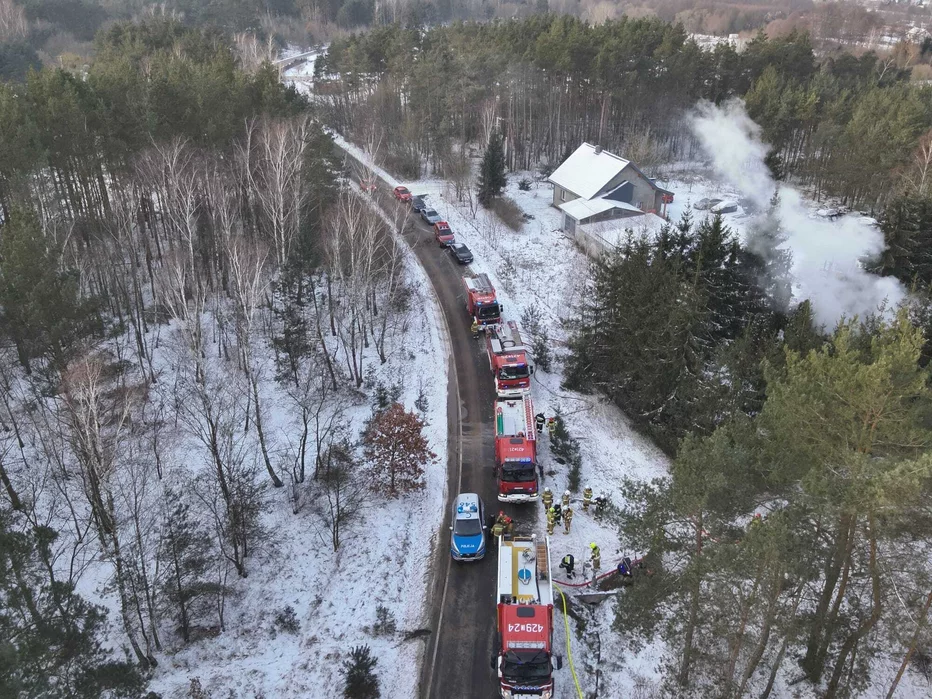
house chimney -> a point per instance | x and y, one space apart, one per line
598 149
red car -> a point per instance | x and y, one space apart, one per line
443 234
402 194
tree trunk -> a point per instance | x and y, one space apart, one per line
811 662
276 481
852 641
683 677
15 502
920 625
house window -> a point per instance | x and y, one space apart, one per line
562 195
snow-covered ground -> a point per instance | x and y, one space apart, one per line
381 560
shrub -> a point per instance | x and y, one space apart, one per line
385 624
524 184
509 212
286 620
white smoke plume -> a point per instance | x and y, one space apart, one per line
826 254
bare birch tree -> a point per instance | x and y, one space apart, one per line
272 155
95 414
250 285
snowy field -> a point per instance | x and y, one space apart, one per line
334 595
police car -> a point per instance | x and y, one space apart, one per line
468 541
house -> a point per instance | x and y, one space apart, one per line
593 185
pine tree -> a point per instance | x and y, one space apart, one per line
907 231
359 674
492 171
41 308
847 431
187 585
50 637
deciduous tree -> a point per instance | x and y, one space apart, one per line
397 450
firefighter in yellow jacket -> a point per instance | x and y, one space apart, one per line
596 558
551 521
567 518
547 498
586 498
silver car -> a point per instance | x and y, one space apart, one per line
430 216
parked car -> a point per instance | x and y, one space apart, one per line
705 204
462 254
402 193
725 207
443 233
368 185
417 204
468 540
430 216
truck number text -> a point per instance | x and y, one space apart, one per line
525 628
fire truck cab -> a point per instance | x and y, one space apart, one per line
508 360
481 302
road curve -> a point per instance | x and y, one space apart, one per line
462 599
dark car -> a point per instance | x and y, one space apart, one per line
462 254
430 216
417 204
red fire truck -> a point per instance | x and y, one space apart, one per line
480 300
508 361
516 449
524 656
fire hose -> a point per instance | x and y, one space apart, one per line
569 652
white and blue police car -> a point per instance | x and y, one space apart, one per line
468 541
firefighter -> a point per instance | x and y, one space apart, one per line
586 498
568 563
547 498
557 513
498 528
539 420
567 518
566 499
596 558
600 502
509 525
474 327
551 522
551 426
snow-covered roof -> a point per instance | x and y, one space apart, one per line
582 208
612 234
586 171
